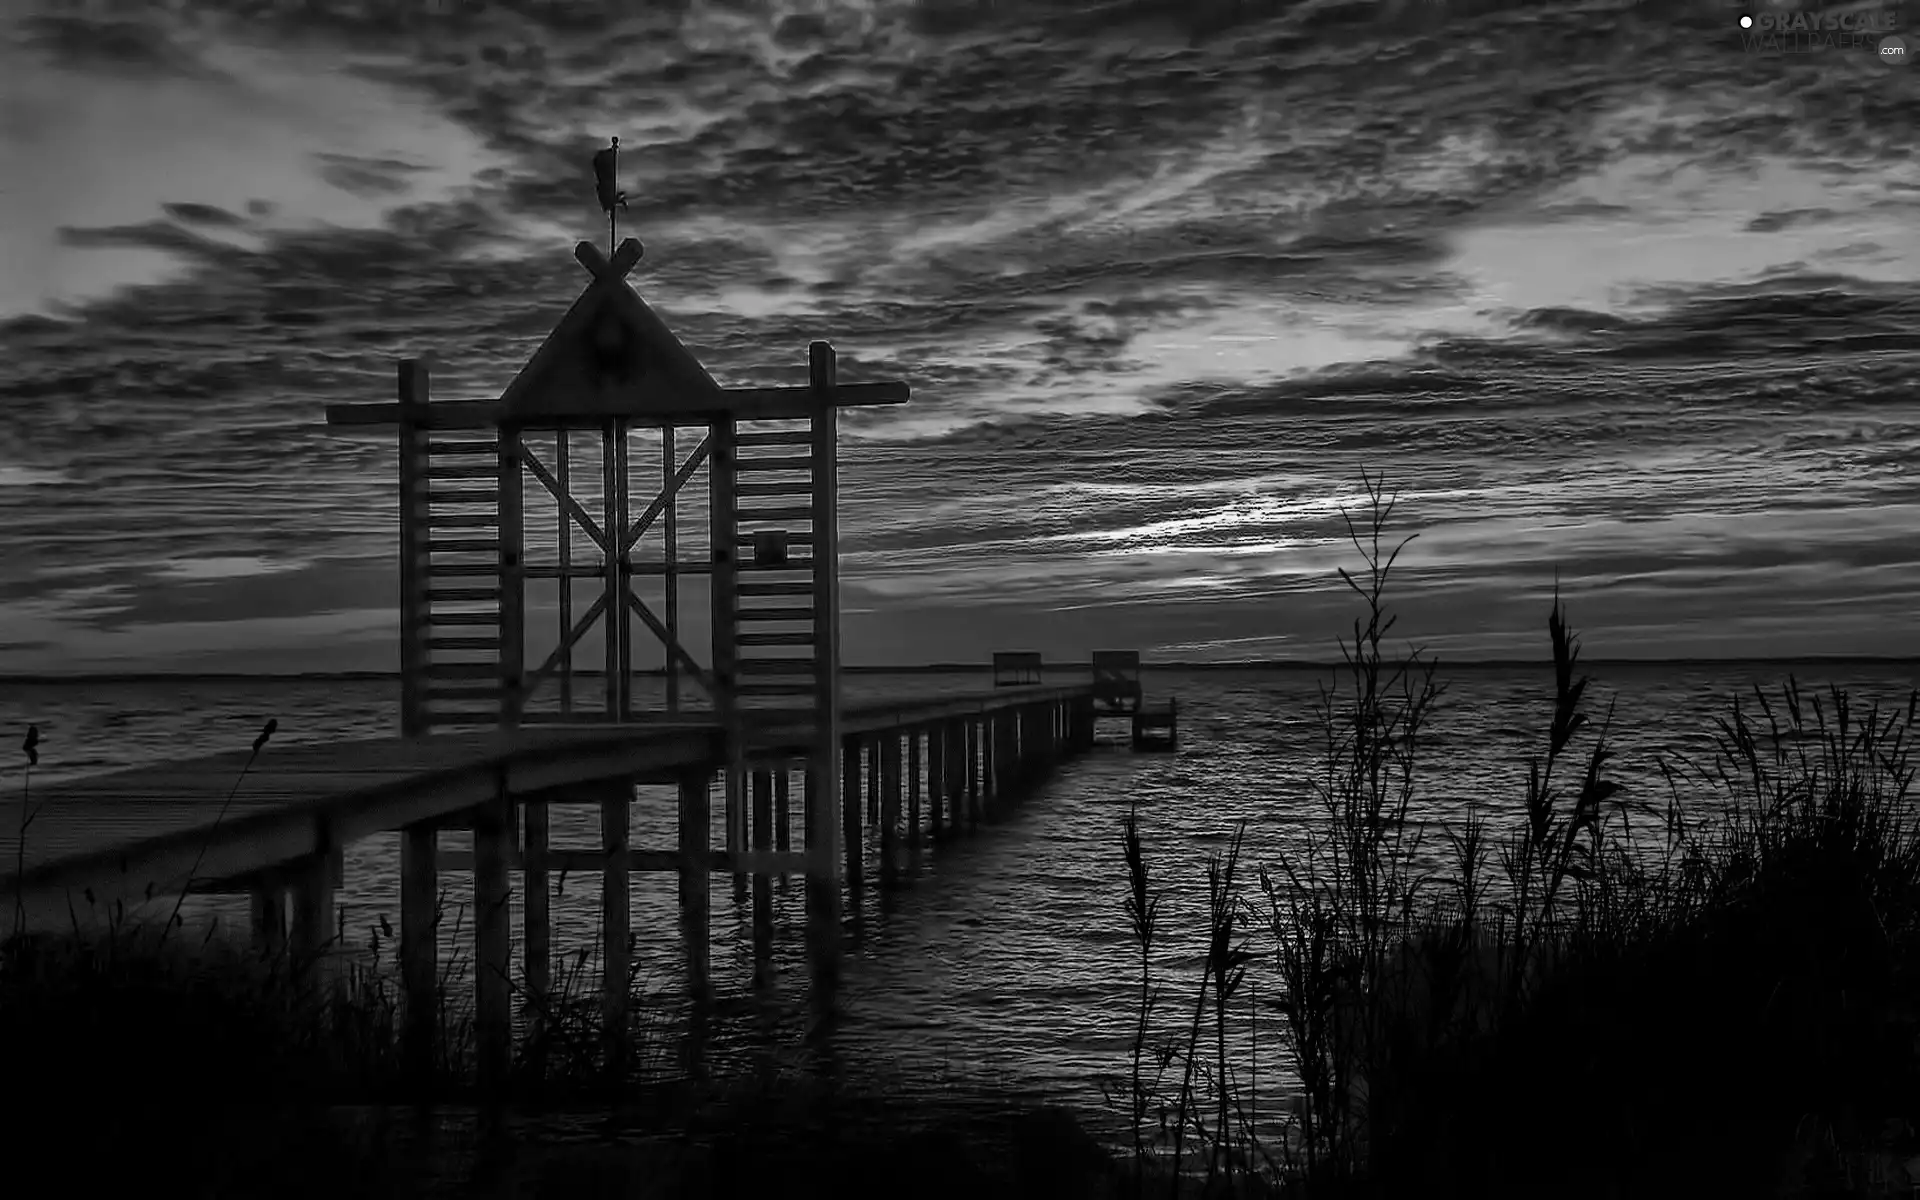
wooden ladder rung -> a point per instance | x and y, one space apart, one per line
463 618
455 594
465 470
784 463
798 587
774 687
463 448
774 437
799 637
795 537
792 564
462 717
454 690
463 643
463 546
774 614
479 520
447 570
796 512
458 671
784 487
462 495
775 666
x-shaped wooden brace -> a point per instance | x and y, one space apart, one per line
604 270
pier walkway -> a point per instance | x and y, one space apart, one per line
507 528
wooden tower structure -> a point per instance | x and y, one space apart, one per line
525 510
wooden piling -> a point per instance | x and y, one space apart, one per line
615 918
762 882
975 750
419 945
850 812
696 883
536 909
493 940
913 791
936 778
873 780
268 893
782 819
889 750
311 935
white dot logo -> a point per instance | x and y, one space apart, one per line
1746 22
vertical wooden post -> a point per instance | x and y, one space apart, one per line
414 387
562 477
913 791
873 779
312 933
419 946
621 614
823 883
782 819
268 894
513 598
762 883
809 803
889 745
613 583
936 778
616 914
850 813
536 902
722 478
975 750
696 878
492 936
670 579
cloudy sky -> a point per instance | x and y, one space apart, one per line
1599 291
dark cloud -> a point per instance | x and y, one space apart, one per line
202 214
374 177
111 43
150 235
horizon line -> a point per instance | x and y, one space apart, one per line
1078 665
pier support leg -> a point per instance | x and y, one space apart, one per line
975 751
782 818
936 779
269 904
616 910
913 792
419 946
536 914
888 746
823 884
312 934
736 784
696 880
762 882
850 812
492 942
873 780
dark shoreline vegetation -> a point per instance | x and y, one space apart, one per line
1711 993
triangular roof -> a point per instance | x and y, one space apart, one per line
610 355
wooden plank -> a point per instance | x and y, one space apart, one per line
463 643
463 545
773 687
461 471
463 594
463 618
486 447
774 588
447 570
795 537
462 495
784 487
778 463
776 437
797 637
789 613
756 516
479 520
775 666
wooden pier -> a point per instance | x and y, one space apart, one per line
497 501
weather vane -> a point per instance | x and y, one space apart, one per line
606 176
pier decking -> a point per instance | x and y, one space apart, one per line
770 711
